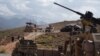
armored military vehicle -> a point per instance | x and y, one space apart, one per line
25 48
49 28
30 27
69 28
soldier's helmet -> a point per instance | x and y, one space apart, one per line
88 14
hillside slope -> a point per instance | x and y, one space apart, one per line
5 36
59 25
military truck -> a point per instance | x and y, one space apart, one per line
70 28
25 48
30 27
49 28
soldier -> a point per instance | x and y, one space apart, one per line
35 27
78 47
88 47
87 20
12 39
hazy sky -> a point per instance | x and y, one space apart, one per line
45 10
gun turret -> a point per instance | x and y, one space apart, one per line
69 9
94 20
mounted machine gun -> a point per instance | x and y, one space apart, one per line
87 19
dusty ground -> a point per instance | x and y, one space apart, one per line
47 41
8 48
51 40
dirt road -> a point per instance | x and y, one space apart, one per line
33 35
10 46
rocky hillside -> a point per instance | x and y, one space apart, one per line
59 25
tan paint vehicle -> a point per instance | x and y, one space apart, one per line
25 48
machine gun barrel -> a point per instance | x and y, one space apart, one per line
69 9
